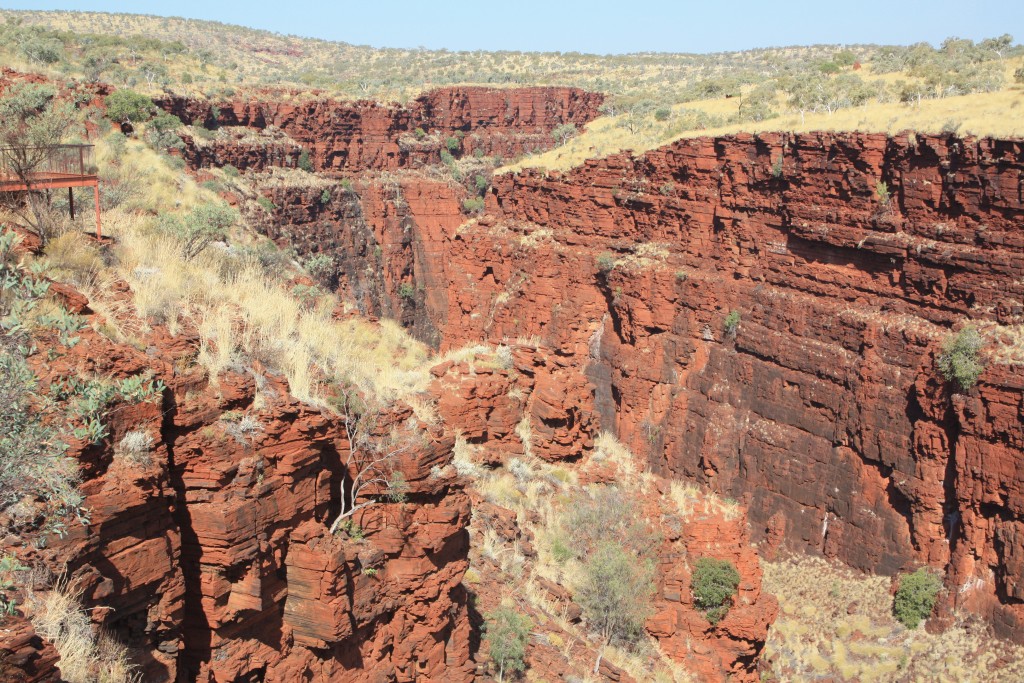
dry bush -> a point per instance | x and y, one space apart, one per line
135 448
85 655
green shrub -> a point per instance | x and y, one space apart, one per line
882 192
915 597
199 228
605 262
662 113
231 172
960 360
473 205
128 104
447 159
714 583
452 144
162 132
321 268
615 594
407 291
305 163
508 633
266 203
419 133
731 323
482 183
325 197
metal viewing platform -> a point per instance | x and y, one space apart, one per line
30 169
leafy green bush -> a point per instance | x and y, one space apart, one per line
407 291
128 104
960 360
473 205
321 268
714 583
616 592
305 163
325 197
731 323
162 132
508 633
662 113
266 203
915 597
452 144
199 228
419 133
605 262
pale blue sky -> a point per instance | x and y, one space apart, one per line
596 26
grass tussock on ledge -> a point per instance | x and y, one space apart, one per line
836 623
240 311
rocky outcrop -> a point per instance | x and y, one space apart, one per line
848 258
210 556
523 398
351 137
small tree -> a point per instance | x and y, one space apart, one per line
371 475
915 597
305 163
162 132
563 133
130 105
714 584
960 360
508 633
615 594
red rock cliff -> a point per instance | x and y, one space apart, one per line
824 412
212 559
350 137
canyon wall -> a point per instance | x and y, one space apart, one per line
848 259
352 137
210 557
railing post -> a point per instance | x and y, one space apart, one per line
96 195
81 160
71 201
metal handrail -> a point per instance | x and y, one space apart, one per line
70 160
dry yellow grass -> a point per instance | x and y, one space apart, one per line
240 312
818 635
998 114
85 657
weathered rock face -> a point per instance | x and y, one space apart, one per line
507 400
211 558
847 256
349 137
825 405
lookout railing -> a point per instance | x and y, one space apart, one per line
53 162
53 167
